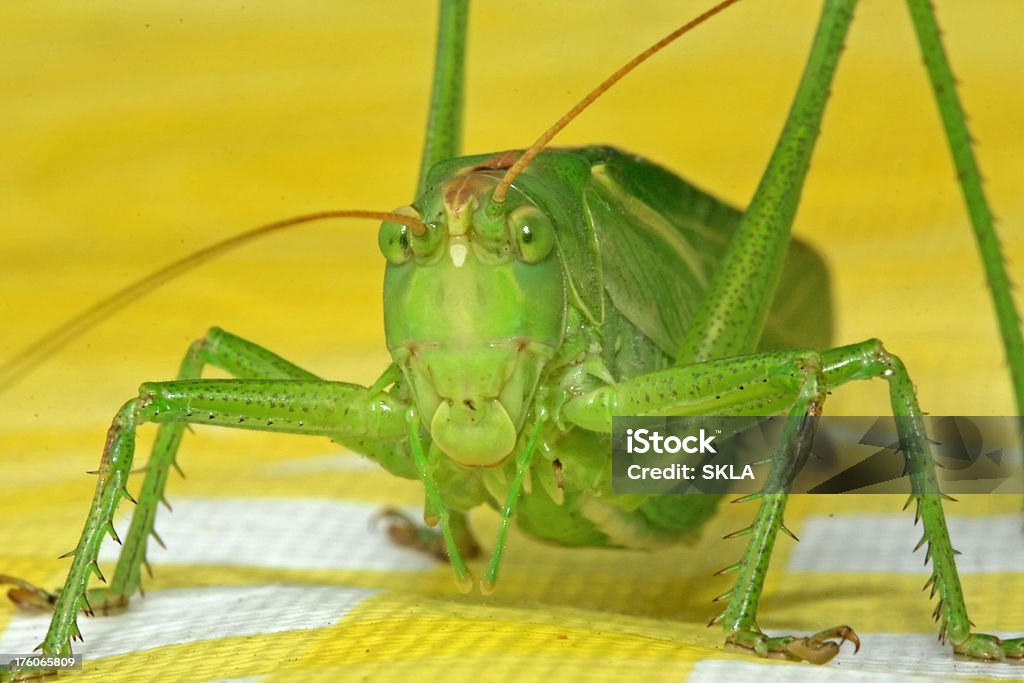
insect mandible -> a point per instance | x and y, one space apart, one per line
856 334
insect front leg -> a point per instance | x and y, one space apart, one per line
220 349
295 406
760 384
797 382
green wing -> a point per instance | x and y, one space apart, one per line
660 240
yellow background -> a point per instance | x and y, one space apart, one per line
133 133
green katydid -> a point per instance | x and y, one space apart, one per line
395 249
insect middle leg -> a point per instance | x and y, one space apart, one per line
281 398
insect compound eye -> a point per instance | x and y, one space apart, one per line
532 233
395 240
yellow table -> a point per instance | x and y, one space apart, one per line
134 133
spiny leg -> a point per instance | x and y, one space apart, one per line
444 124
870 360
968 174
731 315
739 619
245 360
769 383
761 384
219 349
732 312
223 350
300 406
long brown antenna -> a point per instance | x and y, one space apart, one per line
499 192
33 355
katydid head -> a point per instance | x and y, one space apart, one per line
474 308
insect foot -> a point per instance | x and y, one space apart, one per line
817 649
26 675
990 648
29 598
405 532
26 597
